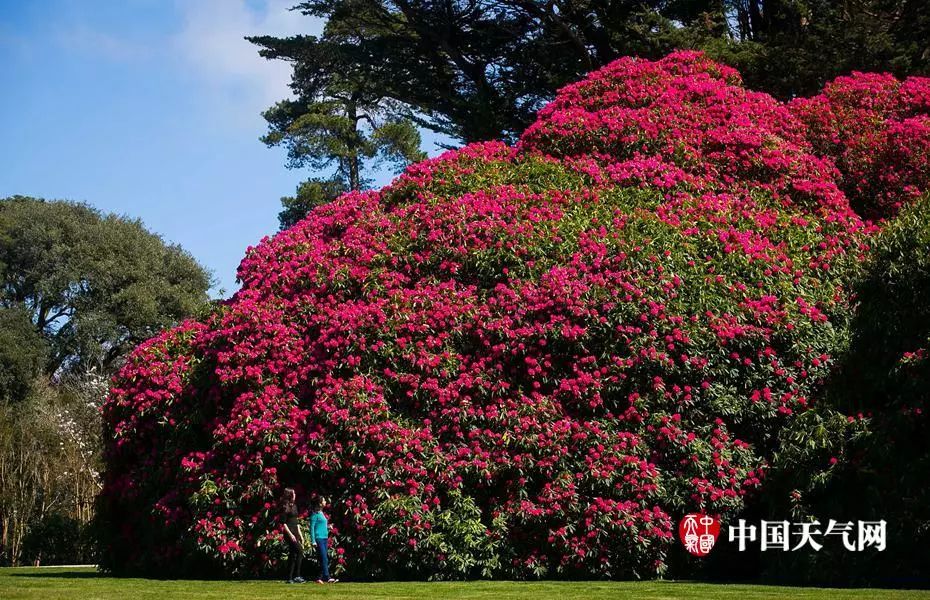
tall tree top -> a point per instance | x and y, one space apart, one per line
93 285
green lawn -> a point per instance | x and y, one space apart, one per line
50 583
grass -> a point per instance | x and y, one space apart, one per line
86 583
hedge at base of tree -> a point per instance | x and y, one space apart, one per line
58 539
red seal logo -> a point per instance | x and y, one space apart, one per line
698 532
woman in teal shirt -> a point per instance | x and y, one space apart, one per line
319 533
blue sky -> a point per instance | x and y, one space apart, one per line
150 108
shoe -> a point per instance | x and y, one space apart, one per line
300 580
289 581
320 581
331 580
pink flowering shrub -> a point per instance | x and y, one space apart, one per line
877 130
511 362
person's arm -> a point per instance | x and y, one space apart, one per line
300 535
290 534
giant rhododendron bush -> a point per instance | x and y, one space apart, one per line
513 361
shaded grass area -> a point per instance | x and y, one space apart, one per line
86 583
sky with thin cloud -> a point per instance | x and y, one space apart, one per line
151 109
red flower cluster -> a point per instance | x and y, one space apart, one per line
877 130
510 362
685 120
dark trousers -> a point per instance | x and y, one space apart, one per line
324 557
295 557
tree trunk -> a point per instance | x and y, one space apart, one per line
354 168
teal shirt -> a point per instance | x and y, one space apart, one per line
319 530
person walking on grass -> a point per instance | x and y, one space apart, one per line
292 535
319 533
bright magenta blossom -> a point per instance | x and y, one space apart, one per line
514 362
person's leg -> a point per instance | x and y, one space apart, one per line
300 558
292 558
324 558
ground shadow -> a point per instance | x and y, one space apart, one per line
62 574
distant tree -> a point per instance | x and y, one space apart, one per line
310 193
28 453
792 47
48 471
92 285
22 354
